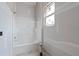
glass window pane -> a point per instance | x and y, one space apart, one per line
50 21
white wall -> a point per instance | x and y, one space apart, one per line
25 41
63 38
6 27
39 18
24 23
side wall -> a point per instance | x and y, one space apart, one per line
25 42
63 38
6 27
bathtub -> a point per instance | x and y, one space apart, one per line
26 49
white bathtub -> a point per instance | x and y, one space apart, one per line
26 49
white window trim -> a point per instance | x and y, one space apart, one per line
47 6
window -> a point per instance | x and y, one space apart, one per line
50 15
50 20
50 9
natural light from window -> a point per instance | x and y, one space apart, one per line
50 16
50 21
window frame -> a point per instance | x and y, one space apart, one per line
53 13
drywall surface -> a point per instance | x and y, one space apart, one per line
25 20
63 38
12 6
39 21
25 30
5 27
39 18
